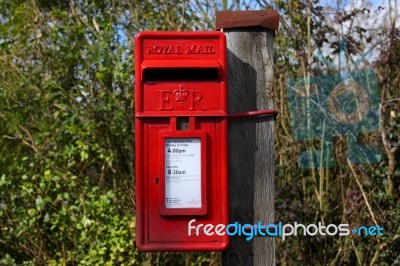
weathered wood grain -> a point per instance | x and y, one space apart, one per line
251 142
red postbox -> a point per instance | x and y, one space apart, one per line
181 141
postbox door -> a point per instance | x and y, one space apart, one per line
161 227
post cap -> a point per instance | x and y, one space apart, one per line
239 19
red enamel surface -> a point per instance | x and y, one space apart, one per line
160 100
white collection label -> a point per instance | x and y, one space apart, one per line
182 173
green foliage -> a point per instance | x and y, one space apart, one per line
65 127
347 193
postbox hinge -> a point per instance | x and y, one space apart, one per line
254 114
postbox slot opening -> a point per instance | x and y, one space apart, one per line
180 74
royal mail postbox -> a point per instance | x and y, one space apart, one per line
181 141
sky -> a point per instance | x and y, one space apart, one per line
376 20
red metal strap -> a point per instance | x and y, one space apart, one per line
255 113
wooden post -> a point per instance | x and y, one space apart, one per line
251 139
